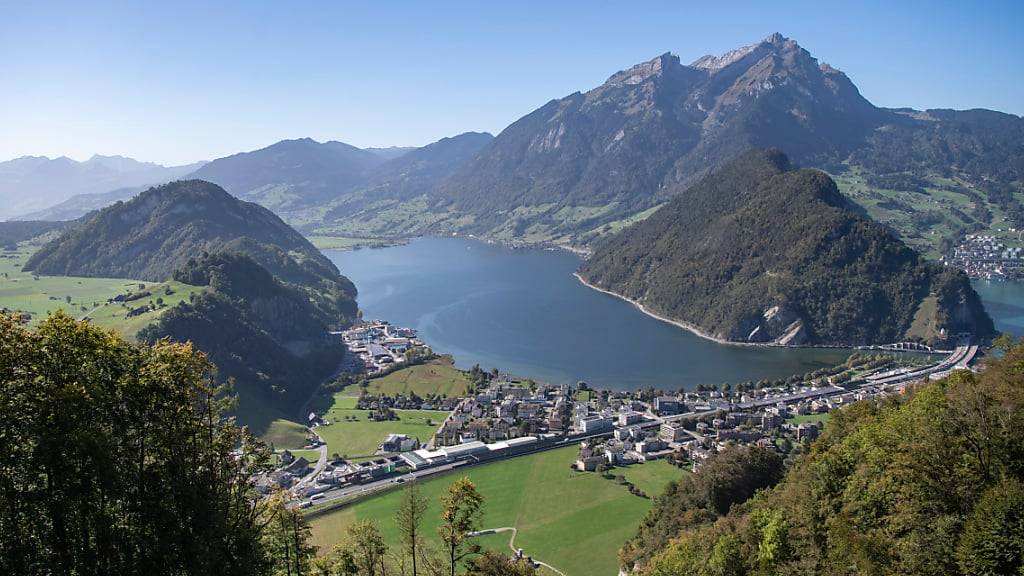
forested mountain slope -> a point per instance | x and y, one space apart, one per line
269 336
761 252
928 484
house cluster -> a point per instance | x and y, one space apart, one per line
339 473
983 256
503 411
378 347
290 471
695 425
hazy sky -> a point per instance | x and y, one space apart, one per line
174 82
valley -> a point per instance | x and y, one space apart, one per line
486 290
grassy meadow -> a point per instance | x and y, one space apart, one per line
352 434
41 295
802 418
575 521
437 376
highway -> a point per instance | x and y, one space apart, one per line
960 358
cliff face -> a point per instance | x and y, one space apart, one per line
761 252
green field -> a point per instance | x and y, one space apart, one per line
41 295
800 419
115 314
435 377
575 521
349 243
352 434
925 220
651 477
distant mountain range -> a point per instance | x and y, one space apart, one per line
761 252
596 159
588 164
32 183
311 182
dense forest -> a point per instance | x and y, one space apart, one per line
761 252
265 334
929 483
20 230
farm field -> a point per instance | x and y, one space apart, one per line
83 297
41 295
349 243
164 295
437 376
353 435
800 419
575 521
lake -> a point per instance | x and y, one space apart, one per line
523 312
1005 304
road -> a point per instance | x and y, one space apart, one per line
321 463
960 358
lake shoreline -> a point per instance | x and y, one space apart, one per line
696 331
677 323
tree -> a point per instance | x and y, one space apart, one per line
411 510
286 539
772 549
461 509
119 459
491 563
367 547
993 538
726 558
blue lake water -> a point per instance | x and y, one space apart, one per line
1005 303
522 311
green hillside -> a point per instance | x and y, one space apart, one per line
761 252
930 484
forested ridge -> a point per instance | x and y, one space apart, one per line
272 297
267 335
928 483
761 252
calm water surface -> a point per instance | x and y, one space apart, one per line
1005 304
522 311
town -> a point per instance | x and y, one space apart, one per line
506 417
377 347
982 256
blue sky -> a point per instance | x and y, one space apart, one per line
174 82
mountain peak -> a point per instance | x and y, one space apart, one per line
773 43
644 70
